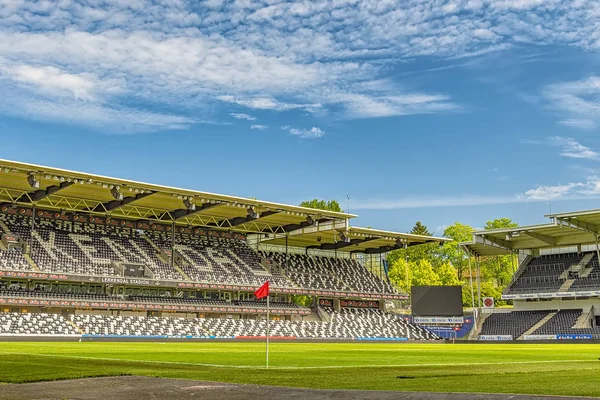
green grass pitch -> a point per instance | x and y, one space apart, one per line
556 369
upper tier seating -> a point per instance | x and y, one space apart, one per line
515 323
86 249
563 322
328 273
591 281
12 259
542 274
217 259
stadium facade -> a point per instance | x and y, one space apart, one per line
556 287
93 256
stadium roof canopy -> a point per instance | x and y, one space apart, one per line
567 229
58 189
330 236
588 221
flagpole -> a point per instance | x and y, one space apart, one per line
268 322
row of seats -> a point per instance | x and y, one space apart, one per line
346 324
516 323
41 294
327 273
563 322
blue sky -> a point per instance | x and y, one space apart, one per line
439 111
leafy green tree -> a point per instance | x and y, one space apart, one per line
400 274
302 300
447 275
500 223
331 205
428 251
451 251
423 274
500 268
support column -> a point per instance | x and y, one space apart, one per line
478 282
475 311
336 304
286 252
173 244
597 250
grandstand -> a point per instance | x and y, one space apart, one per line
89 255
556 287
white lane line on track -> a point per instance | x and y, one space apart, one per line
299 368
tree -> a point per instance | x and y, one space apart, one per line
420 229
428 251
331 205
448 276
400 274
499 268
450 250
500 223
424 274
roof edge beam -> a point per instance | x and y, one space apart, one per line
114 204
341 244
586 226
43 193
498 242
542 238
184 212
230 223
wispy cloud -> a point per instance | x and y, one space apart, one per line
243 116
577 101
589 189
571 148
258 127
579 123
312 133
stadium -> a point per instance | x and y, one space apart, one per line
105 277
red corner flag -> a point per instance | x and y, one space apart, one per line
263 291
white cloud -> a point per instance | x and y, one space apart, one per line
312 133
243 116
259 127
574 190
52 80
573 149
120 120
276 55
266 103
551 192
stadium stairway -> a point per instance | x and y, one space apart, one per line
566 285
538 325
584 320
74 325
32 263
580 268
477 328
161 256
5 228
